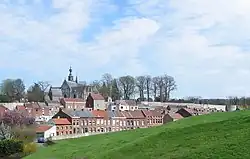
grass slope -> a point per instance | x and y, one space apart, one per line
218 135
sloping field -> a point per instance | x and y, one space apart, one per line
214 136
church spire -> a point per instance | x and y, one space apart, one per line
70 77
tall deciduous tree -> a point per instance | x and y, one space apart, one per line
35 93
127 85
148 86
116 93
12 123
14 89
108 79
141 85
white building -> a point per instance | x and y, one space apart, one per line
45 131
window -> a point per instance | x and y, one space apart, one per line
121 107
98 121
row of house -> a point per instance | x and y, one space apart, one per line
83 121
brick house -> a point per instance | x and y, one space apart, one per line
171 117
73 103
63 126
102 119
153 117
134 119
63 123
95 102
185 112
117 121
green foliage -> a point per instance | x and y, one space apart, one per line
9 147
14 89
4 98
29 148
219 135
35 93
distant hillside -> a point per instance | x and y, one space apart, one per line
215 136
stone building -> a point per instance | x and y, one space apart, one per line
70 88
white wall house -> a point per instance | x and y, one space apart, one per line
46 131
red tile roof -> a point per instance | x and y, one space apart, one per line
97 96
137 114
3 109
20 107
71 100
99 113
152 112
43 128
61 121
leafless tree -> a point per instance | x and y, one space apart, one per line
127 85
108 79
141 85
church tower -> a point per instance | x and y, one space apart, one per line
70 77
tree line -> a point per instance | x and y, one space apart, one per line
146 87
12 90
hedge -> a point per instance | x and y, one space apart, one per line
9 147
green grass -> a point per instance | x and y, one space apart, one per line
214 136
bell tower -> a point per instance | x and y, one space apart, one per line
70 77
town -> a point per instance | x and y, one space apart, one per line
76 109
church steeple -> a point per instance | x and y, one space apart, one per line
70 77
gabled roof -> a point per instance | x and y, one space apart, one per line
96 96
56 91
78 113
175 115
61 121
43 128
99 113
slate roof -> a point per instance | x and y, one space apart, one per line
56 91
79 113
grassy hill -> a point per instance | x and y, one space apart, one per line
215 136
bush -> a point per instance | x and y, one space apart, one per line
49 142
29 148
9 147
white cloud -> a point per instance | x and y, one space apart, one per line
199 41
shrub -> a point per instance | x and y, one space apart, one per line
8 147
29 148
49 142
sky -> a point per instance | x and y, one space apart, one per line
203 44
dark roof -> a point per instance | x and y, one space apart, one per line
96 96
79 113
56 91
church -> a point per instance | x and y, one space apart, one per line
70 88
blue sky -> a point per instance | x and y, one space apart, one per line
204 47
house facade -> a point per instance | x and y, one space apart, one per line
95 102
73 103
45 131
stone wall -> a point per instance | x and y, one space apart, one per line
61 137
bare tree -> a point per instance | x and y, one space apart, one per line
169 86
155 81
148 86
127 85
108 79
44 85
141 85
